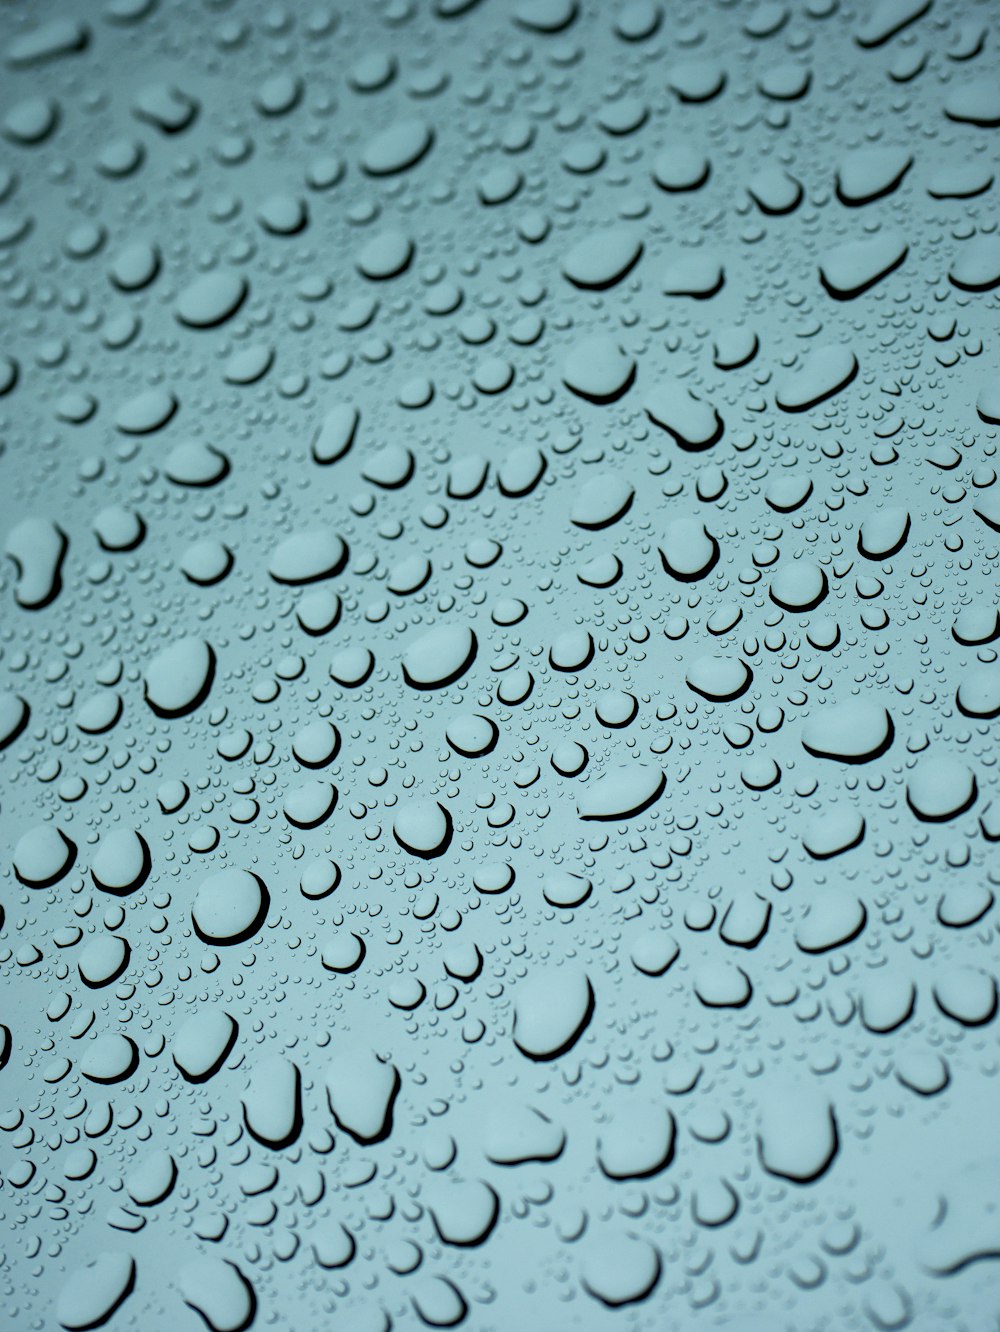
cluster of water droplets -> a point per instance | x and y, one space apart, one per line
499 699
